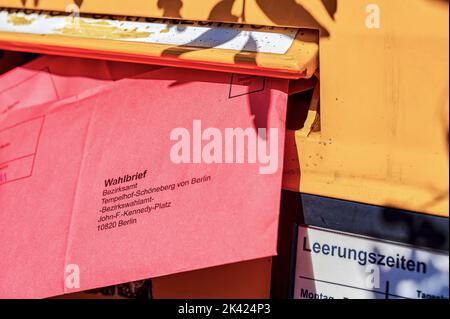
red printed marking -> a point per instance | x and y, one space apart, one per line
18 147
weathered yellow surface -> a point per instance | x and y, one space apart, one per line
301 60
17 20
384 92
263 12
102 30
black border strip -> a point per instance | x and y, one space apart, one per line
293 261
385 223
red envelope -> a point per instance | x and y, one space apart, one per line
51 78
92 191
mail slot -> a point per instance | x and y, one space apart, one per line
360 134
214 46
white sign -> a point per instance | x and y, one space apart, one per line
242 39
339 265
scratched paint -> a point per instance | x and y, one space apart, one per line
247 39
19 20
99 30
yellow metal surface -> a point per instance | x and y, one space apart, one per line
244 280
384 109
262 12
384 91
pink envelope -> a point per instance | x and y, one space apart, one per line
50 78
116 184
